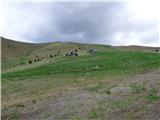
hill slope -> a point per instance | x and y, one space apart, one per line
13 52
111 83
16 53
100 81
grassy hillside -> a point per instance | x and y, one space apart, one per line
28 88
139 48
16 53
103 63
13 52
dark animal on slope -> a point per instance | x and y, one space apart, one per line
51 56
156 50
67 54
76 54
71 53
30 62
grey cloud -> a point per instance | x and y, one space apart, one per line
91 22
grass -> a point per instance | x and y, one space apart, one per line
153 97
137 89
78 70
96 74
152 93
42 81
93 115
105 63
100 88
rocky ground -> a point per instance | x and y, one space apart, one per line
131 98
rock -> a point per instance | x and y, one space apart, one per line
121 90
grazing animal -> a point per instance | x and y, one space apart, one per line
66 54
51 56
156 50
38 59
30 61
71 53
76 54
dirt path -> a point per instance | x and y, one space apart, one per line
123 100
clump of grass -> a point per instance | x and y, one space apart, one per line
92 88
137 89
153 97
121 105
99 88
93 115
14 116
153 90
153 94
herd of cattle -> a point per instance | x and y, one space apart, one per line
37 58
70 53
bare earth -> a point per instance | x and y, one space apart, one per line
125 101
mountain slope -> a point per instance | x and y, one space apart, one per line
13 52
16 53
19 53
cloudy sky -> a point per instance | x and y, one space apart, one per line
115 23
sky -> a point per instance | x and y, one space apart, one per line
114 23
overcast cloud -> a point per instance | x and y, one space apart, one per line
87 22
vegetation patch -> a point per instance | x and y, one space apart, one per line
93 114
137 89
153 97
